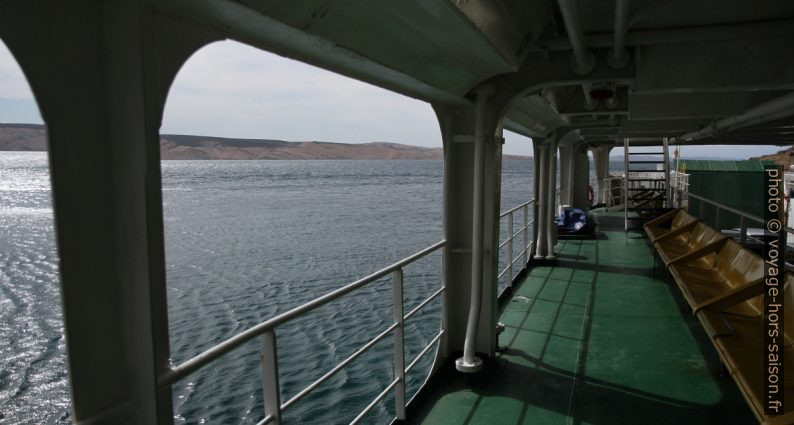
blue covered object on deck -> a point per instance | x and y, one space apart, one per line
574 221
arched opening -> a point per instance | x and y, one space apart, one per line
267 206
34 383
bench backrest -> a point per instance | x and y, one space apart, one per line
681 219
786 314
699 236
738 265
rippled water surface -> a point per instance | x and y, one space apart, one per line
245 240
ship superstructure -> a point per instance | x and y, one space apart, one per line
575 76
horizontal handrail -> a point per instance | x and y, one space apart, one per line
374 402
740 213
424 303
304 392
187 367
511 263
424 351
522 229
510 237
516 208
726 208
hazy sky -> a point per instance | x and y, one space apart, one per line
230 89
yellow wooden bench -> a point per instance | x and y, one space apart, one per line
724 284
720 278
737 332
671 221
688 242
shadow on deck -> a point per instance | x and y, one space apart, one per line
595 337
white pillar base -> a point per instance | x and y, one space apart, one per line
468 367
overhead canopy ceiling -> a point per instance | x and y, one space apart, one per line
689 64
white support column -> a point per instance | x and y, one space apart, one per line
574 171
541 167
535 210
472 180
625 192
580 177
601 163
566 174
470 362
552 207
564 155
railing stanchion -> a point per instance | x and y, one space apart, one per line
399 345
270 377
510 249
717 220
743 225
525 242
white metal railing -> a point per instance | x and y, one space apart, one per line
640 182
744 217
266 331
604 190
679 183
526 244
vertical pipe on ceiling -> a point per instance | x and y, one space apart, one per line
582 60
619 56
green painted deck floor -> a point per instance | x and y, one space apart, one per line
593 339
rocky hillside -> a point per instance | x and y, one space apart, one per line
30 137
23 137
784 157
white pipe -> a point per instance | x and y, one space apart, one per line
583 59
777 108
590 104
619 56
551 227
571 175
469 362
541 173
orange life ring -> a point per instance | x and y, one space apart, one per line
590 195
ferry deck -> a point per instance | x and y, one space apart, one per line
593 332
597 337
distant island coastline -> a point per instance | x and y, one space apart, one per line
784 157
33 137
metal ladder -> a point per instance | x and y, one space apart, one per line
635 185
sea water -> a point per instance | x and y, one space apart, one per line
246 240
